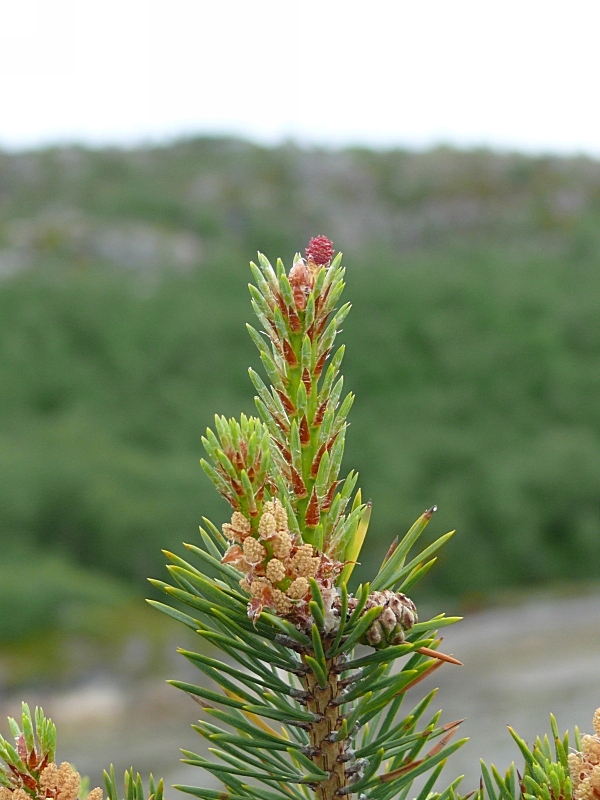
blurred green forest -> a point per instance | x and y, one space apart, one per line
473 348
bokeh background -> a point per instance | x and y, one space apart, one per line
147 154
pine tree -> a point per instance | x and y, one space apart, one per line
297 713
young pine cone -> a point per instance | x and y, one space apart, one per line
399 614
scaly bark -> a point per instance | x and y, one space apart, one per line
328 754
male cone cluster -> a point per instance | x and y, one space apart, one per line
276 564
32 773
585 765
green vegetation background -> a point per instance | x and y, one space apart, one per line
473 349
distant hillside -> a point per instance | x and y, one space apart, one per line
473 348
187 203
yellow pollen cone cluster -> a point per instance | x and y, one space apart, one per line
584 766
55 783
275 564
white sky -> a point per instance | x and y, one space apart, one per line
516 74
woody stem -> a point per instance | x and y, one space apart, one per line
328 754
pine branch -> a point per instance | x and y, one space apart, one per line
303 714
